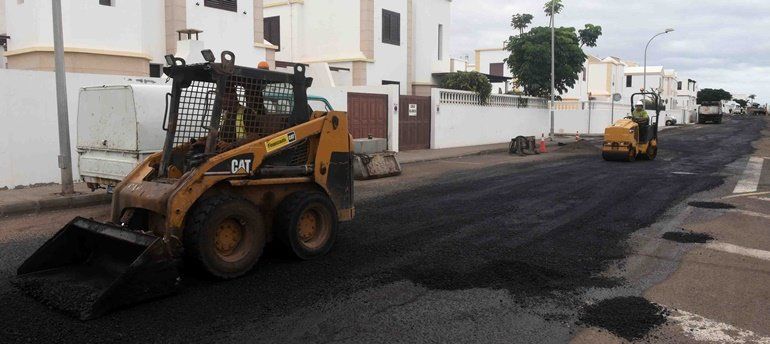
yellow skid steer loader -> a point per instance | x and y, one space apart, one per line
245 162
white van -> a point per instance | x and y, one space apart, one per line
117 128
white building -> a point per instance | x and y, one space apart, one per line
491 61
605 78
364 42
687 94
3 35
129 37
634 79
669 92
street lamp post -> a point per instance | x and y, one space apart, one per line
644 89
553 66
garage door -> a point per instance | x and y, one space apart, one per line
414 123
368 115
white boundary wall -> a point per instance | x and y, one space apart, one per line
29 142
338 98
459 120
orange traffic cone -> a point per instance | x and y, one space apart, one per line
543 149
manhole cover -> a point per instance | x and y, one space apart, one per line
711 205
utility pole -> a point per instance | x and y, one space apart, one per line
65 157
553 65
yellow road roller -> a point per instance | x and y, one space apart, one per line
633 137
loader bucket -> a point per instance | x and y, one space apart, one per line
89 268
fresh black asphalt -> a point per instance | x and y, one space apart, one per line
497 254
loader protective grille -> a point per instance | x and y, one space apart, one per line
195 107
250 109
253 109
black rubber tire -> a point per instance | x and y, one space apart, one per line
669 123
286 227
200 242
651 153
631 157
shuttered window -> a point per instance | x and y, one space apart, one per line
497 69
227 5
391 27
273 31
629 80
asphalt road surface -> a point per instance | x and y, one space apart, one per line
480 249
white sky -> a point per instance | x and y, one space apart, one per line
721 44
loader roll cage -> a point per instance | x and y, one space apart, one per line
651 134
216 106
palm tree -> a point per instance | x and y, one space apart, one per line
521 22
557 7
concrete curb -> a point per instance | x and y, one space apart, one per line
54 203
484 152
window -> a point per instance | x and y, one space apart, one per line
391 27
107 2
440 42
497 69
629 80
227 5
155 70
273 31
584 74
679 86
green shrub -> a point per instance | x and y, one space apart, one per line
469 81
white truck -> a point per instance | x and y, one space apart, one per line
710 112
118 127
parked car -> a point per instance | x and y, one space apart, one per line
739 111
670 120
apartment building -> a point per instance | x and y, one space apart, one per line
364 42
687 93
130 37
605 78
634 79
669 93
491 61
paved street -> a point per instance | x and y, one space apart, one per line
486 249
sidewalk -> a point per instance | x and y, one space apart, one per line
42 198
408 157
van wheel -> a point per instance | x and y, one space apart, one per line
225 237
306 223
669 123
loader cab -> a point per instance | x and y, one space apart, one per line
648 132
216 106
